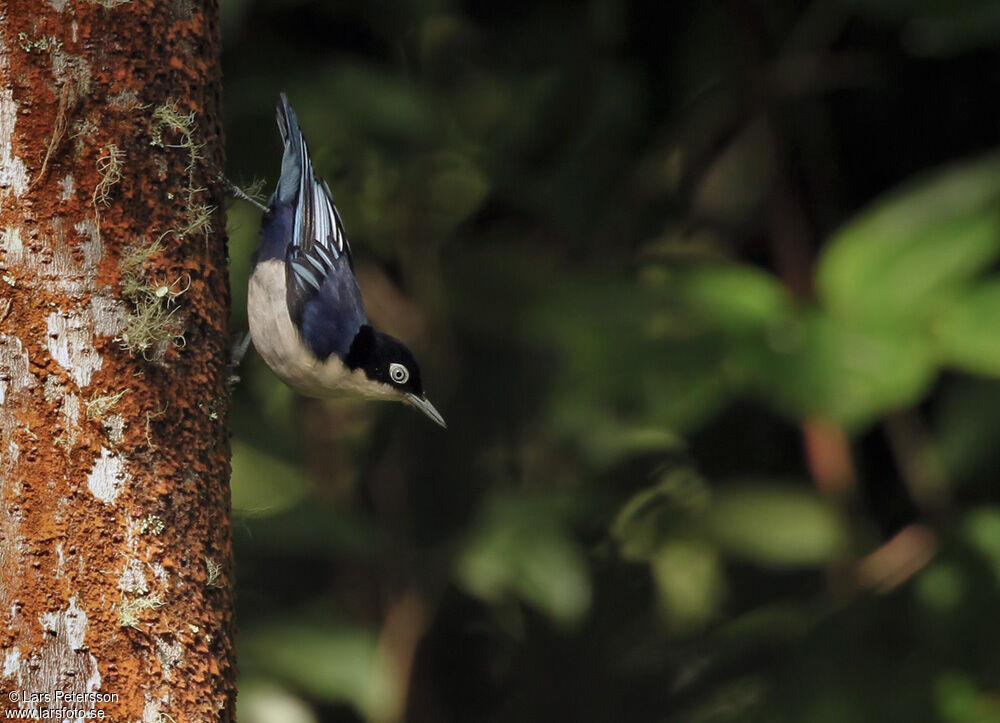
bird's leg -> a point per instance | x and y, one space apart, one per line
236 192
238 351
240 346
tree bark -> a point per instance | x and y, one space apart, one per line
114 529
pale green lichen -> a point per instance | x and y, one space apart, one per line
171 291
168 117
199 216
133 259
44 44
214 573
130 611
149 327
153 322
98 406
153 525
255 190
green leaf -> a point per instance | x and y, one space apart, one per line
690 583
656 512
956 696
966 330
334 664
522 550
733 297
777 526
785 621
941 587
612 443
623 347
818 365
960 699
891 263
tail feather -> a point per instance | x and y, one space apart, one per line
295 161
316 240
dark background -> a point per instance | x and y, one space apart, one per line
707 293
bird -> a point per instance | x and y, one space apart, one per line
304 306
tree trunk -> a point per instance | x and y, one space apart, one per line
114 529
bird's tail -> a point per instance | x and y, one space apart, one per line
296 158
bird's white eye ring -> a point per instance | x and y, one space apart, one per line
398 373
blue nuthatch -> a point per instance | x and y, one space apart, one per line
304 305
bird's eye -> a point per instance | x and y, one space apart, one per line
398 373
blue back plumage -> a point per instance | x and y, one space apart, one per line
275 232
303 228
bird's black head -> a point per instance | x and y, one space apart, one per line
384 359
390 370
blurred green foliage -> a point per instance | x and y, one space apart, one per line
708 295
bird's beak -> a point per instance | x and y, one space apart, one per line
427 408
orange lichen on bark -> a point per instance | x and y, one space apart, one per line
107 517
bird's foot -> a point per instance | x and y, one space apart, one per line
236 192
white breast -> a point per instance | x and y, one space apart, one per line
279 343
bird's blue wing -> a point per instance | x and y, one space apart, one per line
323 295
331 317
